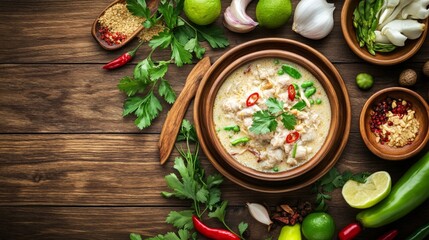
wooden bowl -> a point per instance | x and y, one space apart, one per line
400 54
274 183
153 5
384 151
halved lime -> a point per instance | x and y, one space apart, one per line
365 195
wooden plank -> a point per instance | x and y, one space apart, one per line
117 223
58 35
112 169
84 98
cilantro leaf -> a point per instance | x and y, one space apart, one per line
274 105
158 71
213 35
179 54
146 109
141 71
166 91
288 120
169 14
263 122
194 46
162 40
131 86
202 195
242 227
139 8
220 212
182 219
135 236
214 197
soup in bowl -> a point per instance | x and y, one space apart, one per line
272 115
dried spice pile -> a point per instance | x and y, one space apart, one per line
117 23
393 122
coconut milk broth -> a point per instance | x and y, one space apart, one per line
269 152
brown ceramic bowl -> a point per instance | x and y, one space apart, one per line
400 54
272 182
384 151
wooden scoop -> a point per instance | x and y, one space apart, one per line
153 6
177 112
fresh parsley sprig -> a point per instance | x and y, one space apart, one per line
183 40
332 180
191 183
265 121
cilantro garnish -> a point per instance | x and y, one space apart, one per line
182 39
265 121
191 183
332 180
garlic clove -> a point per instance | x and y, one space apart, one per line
236 19
259 213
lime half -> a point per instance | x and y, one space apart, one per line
365 195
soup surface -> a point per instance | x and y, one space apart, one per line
271 115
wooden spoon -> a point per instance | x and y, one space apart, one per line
153 6
177 112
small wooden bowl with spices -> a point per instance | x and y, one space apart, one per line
116 25
394 123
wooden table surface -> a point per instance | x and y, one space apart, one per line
72 167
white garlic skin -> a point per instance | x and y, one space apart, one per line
313 19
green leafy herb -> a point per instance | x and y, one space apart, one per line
332 180
265 121
191 183
183 41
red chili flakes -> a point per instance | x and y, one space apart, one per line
111 38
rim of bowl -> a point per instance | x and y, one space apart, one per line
389 153
379 58
316 72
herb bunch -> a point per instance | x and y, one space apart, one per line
332 180
183 40
192 184
265 121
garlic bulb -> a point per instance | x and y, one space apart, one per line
313 19
236 19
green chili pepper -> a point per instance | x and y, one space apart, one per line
309 91
290 232
234 128
240 140
299 105
291 71
384 47
410 191
295 146
420 234
307 84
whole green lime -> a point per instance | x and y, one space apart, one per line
273 13
318 226
202 12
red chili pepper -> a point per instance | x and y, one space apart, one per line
292 137
291 92
123 59
252 99
213 233
350 231
389 235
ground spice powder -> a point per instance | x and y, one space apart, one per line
118 19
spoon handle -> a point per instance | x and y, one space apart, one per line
177 112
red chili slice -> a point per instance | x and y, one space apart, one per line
291 92
252 99
292 137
